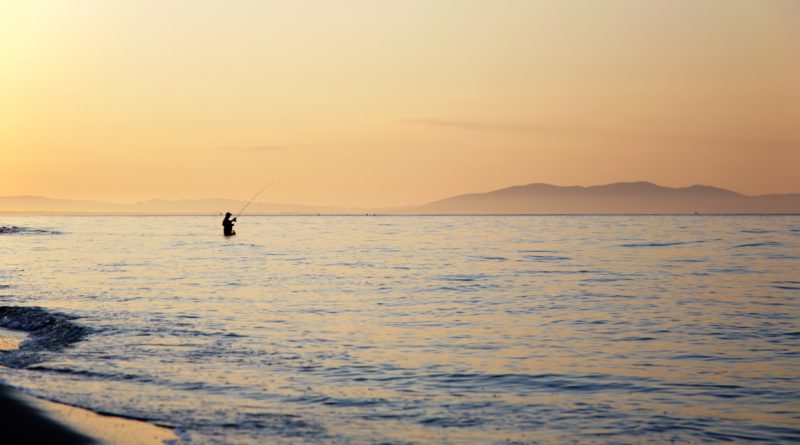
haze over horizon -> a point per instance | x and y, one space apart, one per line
262 200
364 104
530 199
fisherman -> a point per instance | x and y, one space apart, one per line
227 225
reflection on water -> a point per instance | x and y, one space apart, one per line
422 329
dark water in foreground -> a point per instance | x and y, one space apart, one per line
462 330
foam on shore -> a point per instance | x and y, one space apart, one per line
46 331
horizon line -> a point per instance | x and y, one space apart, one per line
352 207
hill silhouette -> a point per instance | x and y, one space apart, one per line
621 197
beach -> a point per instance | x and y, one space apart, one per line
28 420
23 424
397 223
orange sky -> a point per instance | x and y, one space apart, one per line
371 103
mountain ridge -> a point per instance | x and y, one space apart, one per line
618 197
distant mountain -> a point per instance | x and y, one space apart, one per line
621 197
41 205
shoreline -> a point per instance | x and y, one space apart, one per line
29 419
23 423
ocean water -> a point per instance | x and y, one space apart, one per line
411 329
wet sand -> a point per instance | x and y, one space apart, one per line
23 424
27 420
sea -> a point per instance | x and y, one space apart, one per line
629 329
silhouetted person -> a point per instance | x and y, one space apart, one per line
227 225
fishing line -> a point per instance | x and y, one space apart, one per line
254 197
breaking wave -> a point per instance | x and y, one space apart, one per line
48 331
15 229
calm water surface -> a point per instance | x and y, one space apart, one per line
460 330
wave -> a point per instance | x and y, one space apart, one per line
15 229
543 382
48 331
534 258
668 243
762 244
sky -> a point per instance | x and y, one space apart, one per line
367 103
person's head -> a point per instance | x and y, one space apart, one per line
228 215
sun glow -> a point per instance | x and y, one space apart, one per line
369 104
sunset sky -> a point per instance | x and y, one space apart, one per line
372 103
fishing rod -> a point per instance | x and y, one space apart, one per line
251 199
